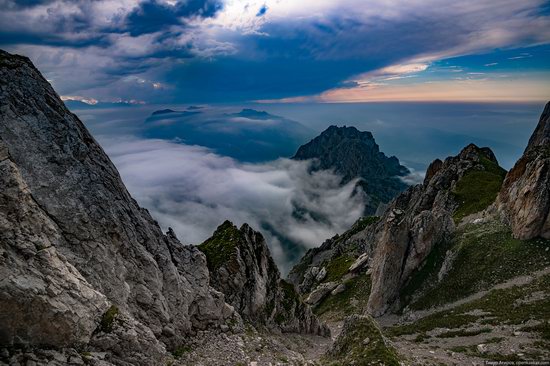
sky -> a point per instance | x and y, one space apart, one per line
284 51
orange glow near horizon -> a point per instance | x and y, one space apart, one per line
455 90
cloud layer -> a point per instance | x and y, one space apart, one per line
193 190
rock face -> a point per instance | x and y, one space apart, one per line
352 246
524 201
415 221
74 242
241 267
44 297
355 154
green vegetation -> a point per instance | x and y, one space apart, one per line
500 305
359 225
220 248
108 319
484 255
464 333
180 351
438 320
289 302
338 267
473 351
543 329
351 301
361 343
477 189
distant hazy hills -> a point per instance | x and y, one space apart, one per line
249 135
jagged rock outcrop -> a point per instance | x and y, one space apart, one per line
74 242
350 246
241 267
524 201
355 154
361 343
420 218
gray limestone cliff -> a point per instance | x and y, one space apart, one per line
524 201
242 268
74 244
425 215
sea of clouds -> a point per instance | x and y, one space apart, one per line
193 190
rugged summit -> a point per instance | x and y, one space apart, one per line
524 201
355 154
241 267
75 244
422 217
391 248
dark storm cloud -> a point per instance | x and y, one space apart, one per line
153 16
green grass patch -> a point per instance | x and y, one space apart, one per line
290 301
108 319
485 255
472 351
180 351
359 225
361 344
338 267
464 333
438 320
220 248
477 189
543 329
503 306
352 300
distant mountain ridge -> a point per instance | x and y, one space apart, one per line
248 135
355 154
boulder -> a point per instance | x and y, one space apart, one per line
321 292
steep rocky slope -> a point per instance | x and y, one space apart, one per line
392 247
455 284
355 154
422 217
242 268
524 201
75 243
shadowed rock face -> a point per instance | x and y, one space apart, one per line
415 221
74 241
354 154
43 297
524 201
242 269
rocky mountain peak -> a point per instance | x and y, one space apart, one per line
541 135
242 268
355 154
524 201
426 215
475 153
